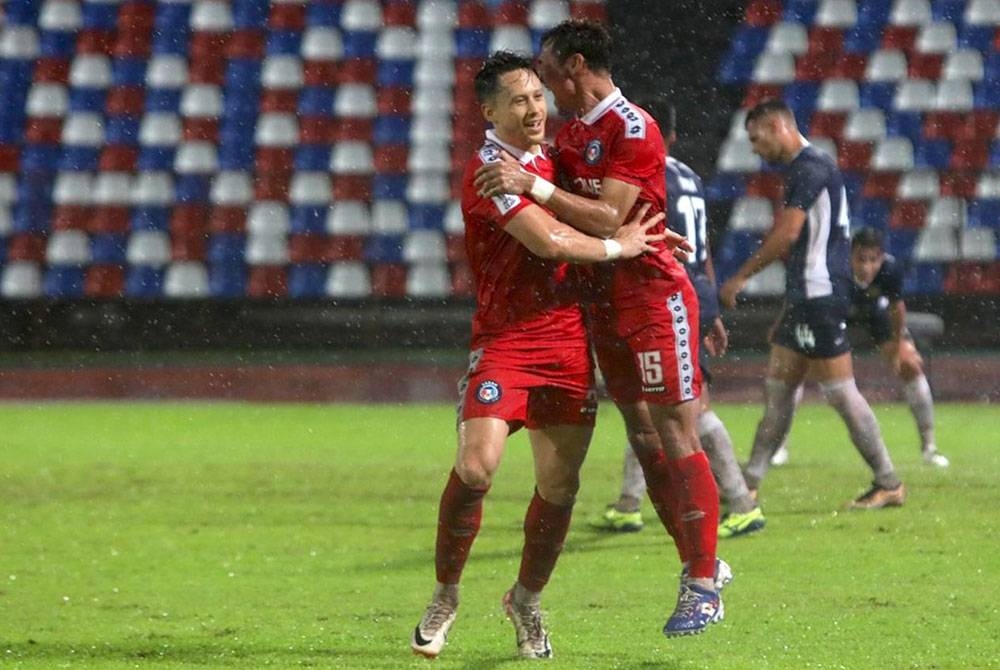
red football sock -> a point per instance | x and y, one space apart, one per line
459 516
545 528
659 488
698 511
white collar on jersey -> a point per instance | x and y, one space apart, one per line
603 106
523 157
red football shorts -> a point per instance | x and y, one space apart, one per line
551 386
647 349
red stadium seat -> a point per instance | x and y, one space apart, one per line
969 155
584 9
271 186
279 100
393 100
274 159
227 219
399 13
473 14
207 45
850 66
389 280
111 219
352 187
828 124
189 246
118 158
132 43
815 66
267 281
941 125
908 215
899 37
95 41
881 185
200 129
853 156
51 70
344 248
768 185
924 66
245 44
104 281
959 184
136 15
825 39
510 12
980 125
307 248
758 93
43 130
763 12
70 217
391 158
188 219
26 247
287 16
125 101
317 129
351 129
9 158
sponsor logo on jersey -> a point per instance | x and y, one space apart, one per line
506 202
635 124
590 186
488 392
594 152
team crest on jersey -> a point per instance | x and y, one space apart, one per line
488 392
594 152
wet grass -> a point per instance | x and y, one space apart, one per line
230 535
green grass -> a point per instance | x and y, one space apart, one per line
222 535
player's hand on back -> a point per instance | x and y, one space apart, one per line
717 339
635 237
503 176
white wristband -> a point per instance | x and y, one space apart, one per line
542 190
612 248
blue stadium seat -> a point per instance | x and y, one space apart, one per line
316 101
799 11
924 279
307 280
128 71
308 219
78 158
900 243
250 13
948 10
242 75
872 213
472 43
156 158
226 249
108 249
87 99
143 281
426 217
236 155
359 43
63 281
905 124
395 73
163 99
323 14
863 38
56 43
384 249
985 213
121 130
876 94
801 97
100 15
150 218
932 153
192 188
22 12
285 42
725 186
975 37
31 217
737 246
39 158
986 95
874 13
389 186
171 40
391 129
312 157
227 280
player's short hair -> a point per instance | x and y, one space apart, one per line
768 107
487 82
591 39
867 238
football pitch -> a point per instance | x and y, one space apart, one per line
288 536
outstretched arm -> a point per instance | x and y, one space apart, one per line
776 245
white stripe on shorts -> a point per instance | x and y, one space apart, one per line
682 345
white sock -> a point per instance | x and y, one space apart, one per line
845 397
918 395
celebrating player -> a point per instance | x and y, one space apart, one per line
529 364
686 216
643 312
813 233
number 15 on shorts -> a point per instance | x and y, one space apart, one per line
651 366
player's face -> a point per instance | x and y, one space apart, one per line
556 77
518 111
763 134
865 263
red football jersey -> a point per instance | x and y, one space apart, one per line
519 296
620 140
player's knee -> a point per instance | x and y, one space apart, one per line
561 492
475 473
644 440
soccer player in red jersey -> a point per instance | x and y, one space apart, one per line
529 364
643 312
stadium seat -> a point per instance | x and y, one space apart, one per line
186 279
836 14
349 279
978 244
946 213
768 282
936 245
865 125
148 248
737 156
893 154
936 37
787 38
774 68
428 280
838 95
753 214
982 13
268 218
919 185
886 65
915 95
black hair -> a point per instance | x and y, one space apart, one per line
579 36
767 107
487 82
867 238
